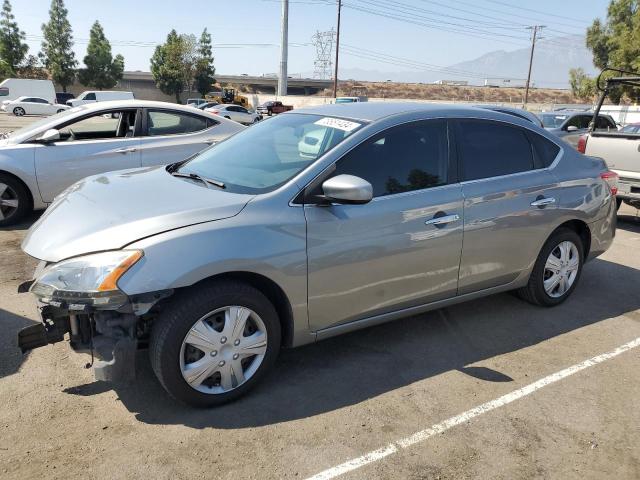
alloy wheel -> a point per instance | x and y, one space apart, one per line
223 349
561 269
8 201
18 111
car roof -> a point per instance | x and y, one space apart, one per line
374 111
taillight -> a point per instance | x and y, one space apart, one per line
582 144
612 180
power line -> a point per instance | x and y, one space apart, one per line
487 36
520 7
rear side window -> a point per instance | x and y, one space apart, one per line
401 159
173 123
491 149
604 123
545 150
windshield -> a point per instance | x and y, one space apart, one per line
552 120
633 128
265 156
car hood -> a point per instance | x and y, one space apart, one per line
110 211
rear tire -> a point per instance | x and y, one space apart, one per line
15 201
60 110
553 266
174 356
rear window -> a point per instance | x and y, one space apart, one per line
545 150
491 149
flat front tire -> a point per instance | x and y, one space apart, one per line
556 271
214 342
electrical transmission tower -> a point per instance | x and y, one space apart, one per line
323 41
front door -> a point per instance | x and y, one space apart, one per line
400 250
96 144
511 200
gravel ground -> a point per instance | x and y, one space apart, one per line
329 402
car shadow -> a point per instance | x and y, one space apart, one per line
350 369
629 220
10 356
26 222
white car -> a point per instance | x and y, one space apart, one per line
235 112
32 106
93 96
39 161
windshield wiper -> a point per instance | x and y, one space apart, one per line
195 176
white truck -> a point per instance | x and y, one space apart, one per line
621 150
93 96
14 88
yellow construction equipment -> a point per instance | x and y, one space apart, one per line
227 95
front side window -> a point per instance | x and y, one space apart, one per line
491 149
90 96
579 121
116 124
401 159
604 123
173 123
267 155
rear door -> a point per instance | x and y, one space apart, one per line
171 136
510 200
400 250
98 143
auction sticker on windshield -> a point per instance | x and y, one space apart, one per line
338 123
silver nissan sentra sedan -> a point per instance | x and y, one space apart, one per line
311 224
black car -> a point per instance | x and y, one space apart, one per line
62 97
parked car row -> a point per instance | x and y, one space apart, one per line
308 225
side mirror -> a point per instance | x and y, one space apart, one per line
347 189
51 135
572 128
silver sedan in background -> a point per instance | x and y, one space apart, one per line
41 160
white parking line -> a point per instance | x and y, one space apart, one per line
423 435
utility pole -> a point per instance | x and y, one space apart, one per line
335 75
535 29
284 44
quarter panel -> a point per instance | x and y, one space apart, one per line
18 160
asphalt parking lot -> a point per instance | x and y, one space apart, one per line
350 406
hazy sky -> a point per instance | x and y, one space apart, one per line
437 32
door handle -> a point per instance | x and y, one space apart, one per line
443 220
126 150
543 202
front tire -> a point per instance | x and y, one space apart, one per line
556 271
214 342
15 201
19 112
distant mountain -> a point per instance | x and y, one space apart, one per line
552 60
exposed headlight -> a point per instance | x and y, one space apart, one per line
87 280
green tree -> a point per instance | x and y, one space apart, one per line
204 71
173 64
13 50
582 86
102 70
32 68
616 43
57 46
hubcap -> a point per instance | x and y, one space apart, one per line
561 269
223 349
8 201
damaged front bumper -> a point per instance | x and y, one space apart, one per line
111 337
